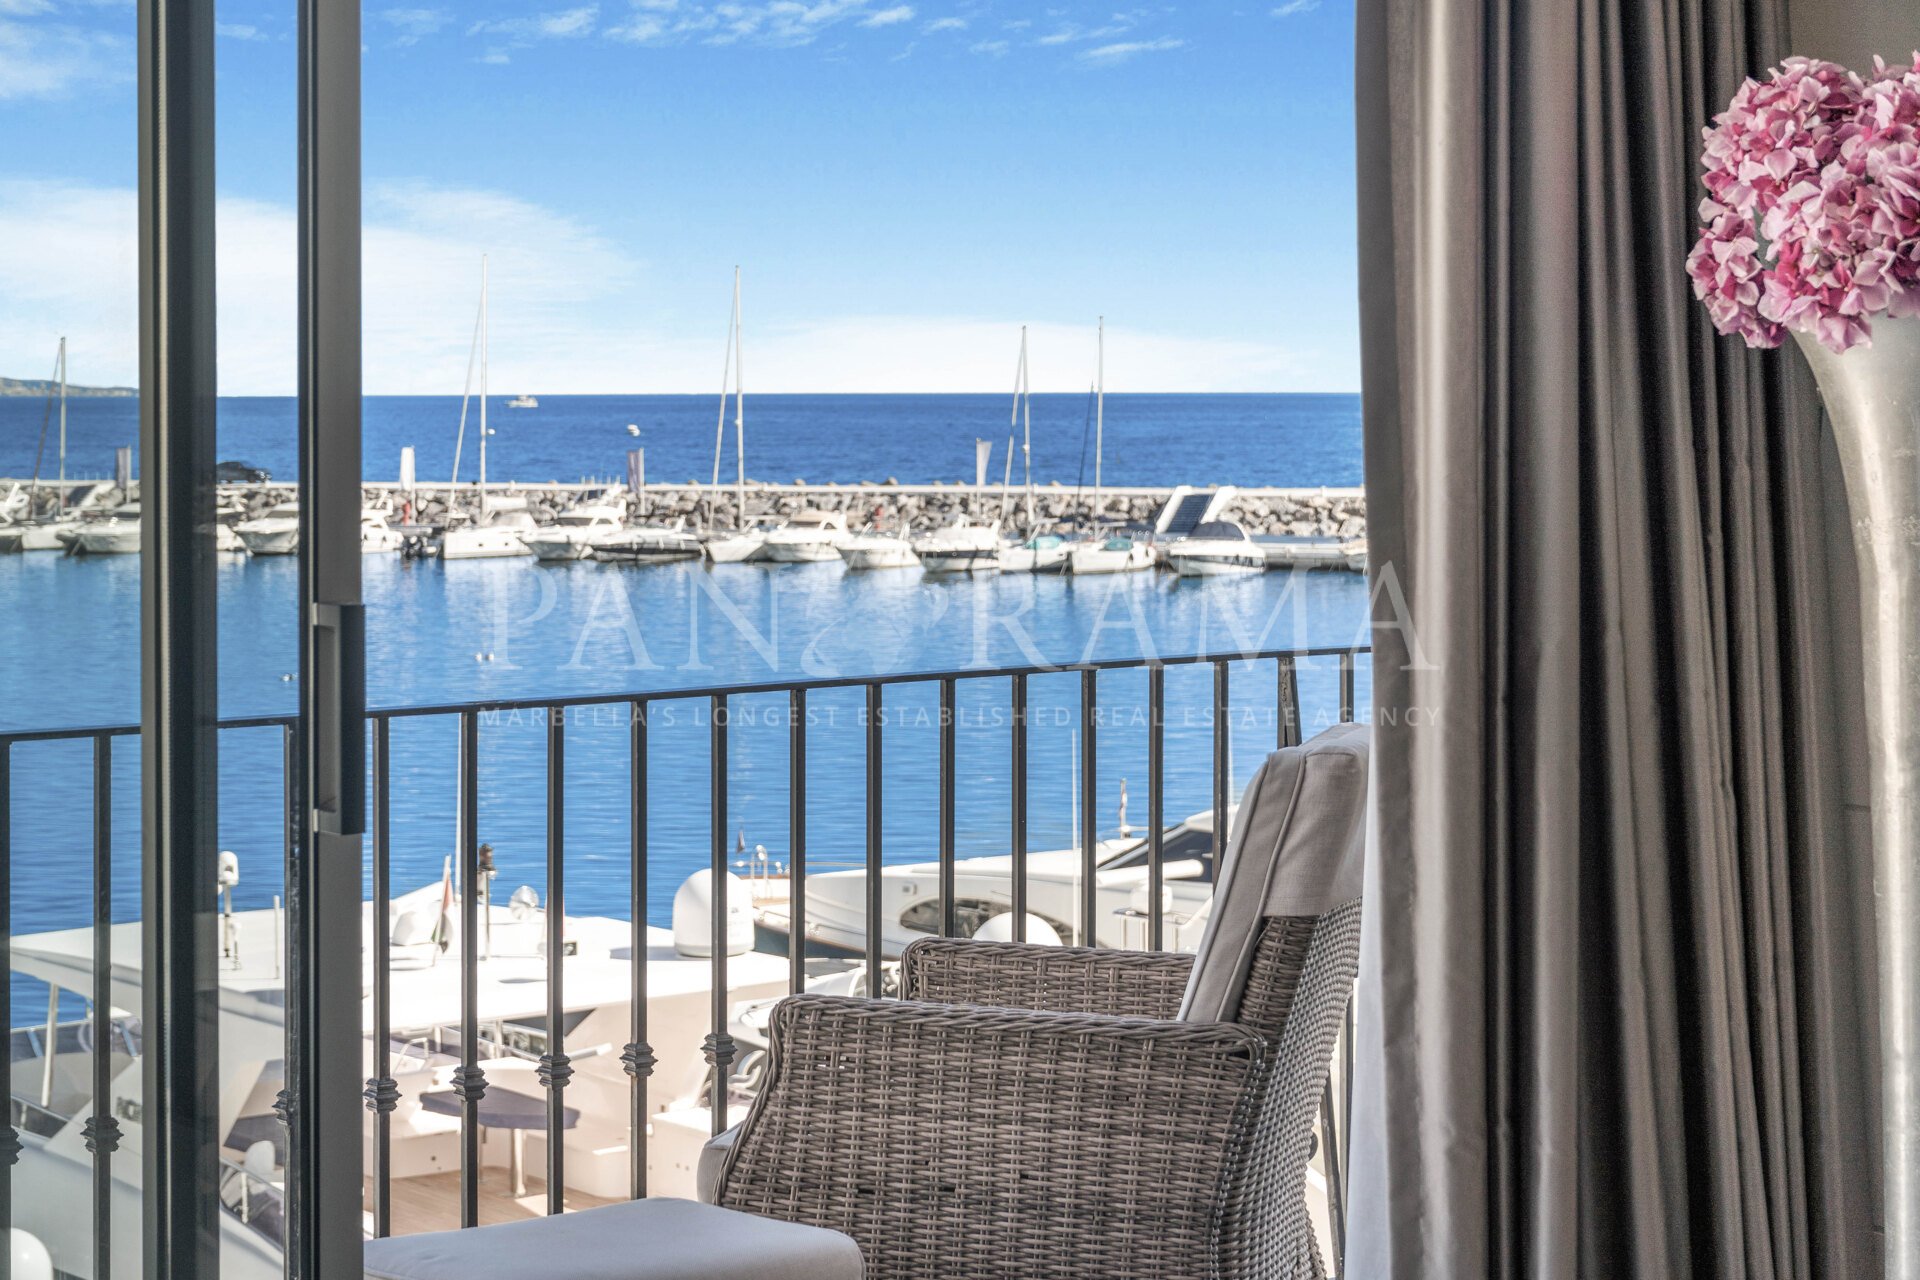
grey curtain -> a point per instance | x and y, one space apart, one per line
1617 980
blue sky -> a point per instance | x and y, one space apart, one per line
904 185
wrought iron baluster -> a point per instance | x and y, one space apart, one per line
469 1081
637 1059
797 841
949 909
1089 807
555 1067
1288 695
719 1046
382 1092
876 740
1222 763
1156 806
102 1131
9 1137
1018 804
1346 687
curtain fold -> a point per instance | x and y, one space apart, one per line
1617 979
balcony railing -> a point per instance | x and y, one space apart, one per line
463 1048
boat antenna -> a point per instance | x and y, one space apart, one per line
1099 410
726 376
60 496
1026 447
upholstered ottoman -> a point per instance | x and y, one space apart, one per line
639 1240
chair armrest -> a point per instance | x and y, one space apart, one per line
958 1141
1020 975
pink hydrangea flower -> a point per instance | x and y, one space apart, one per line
1812 219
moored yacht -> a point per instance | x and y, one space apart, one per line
117 535
495 535
277 533
576 533
810 536
875 550
377 533
1123 551
961 547
1216 548
1042 553
652 543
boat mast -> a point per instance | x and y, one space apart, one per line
60 497
1026 447
483 389
726 376
739 403
1099 412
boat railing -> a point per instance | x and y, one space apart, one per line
1273 675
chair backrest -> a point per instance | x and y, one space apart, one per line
1296 854
1279 955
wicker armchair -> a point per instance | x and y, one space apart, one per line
1027 1111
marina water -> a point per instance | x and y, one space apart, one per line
441 633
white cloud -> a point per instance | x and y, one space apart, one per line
238 31
788 23
990 48
51 60
413 25
1107 55
24 8
563 24
1291 7
561 311
889 17
946 24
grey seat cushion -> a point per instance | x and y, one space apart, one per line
640 1240
1298 849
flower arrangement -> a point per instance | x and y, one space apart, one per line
1812 214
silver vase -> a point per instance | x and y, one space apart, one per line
1872 396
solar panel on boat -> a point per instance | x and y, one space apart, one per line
1188 514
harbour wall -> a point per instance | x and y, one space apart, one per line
1335 512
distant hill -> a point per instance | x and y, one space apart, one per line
42 387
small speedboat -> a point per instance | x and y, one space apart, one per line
276 533
523 402
874 550
961 547
576 533
1118 553
38 535
737 546
810 537
1214 549
1042 553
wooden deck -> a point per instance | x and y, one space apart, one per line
432 1203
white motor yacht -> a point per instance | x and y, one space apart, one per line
277 533
1042 553
811 536
961 547
874 550
1127 552
117 535
377 535
501 534
576 533
650 544
38 535
737 546
983 892
1214 549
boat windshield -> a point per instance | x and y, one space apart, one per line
1117 544
1181 844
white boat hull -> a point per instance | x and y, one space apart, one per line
274 540
957 561
1018 559
555 546
1101 559
737 548
785 551
879 553
37 537
1205 566
113 538
482 544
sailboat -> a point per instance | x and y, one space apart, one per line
492 533
1118 551
31 534
1039 552
745 542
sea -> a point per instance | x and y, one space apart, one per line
509 629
